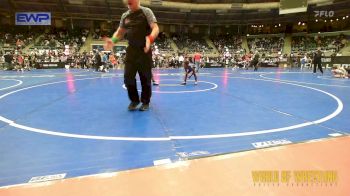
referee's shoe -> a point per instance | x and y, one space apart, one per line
133 106
144 107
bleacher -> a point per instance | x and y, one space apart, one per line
59 38
18 39
227 42
162 43
304 44
267 45
191 43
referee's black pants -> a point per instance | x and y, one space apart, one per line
137 61
318 64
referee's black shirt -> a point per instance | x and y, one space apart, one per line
137 25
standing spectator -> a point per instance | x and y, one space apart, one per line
98 60
197 60
181 59
8 61
20 61
105 62
113 60
2 60
254 62
303 62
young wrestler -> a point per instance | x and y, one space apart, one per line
188 70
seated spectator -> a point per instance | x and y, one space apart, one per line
191 43
331 44
223 42
162 43
267 45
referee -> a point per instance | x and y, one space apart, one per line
141 29
318 60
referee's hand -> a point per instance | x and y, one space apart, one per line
148 45
108 43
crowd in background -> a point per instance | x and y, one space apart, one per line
227 42
268 45
16 60
326 43
163 44
191 43
61 38
63 46
19 39
99 34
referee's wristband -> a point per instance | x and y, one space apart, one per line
115 40
151 38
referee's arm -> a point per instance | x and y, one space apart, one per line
117 35
155 30
151 37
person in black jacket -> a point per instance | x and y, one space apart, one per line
8 57
317 60
254 62
98 61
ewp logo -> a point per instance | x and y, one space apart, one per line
33 18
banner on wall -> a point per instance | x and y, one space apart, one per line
33 18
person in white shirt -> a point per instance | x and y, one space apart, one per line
181 59
303 61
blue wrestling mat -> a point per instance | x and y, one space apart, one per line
76 122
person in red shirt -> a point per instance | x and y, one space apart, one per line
197 60
20 61
113 60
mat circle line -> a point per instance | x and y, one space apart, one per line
169 138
